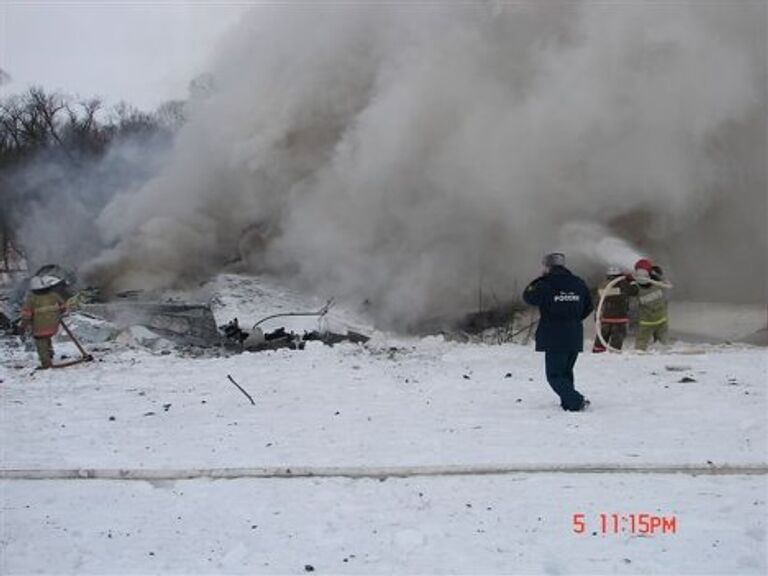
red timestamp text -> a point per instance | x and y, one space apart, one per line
646 524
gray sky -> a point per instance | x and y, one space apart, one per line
138 51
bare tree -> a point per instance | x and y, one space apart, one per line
70 135
171 115
84 132
44 109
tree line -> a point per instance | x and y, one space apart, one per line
40 125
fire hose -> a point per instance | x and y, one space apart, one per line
322 312
599 312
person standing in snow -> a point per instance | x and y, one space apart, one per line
614 315
564 302
652 304
42 312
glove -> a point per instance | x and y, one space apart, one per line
20 329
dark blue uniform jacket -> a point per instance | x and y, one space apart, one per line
564 301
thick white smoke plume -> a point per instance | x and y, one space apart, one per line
404 154
592 242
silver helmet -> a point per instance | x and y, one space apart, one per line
44 282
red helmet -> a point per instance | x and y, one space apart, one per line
643 264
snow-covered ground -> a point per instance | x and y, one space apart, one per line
459 525
409 405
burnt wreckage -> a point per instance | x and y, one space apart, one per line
183 324
135 318
257 340
180 323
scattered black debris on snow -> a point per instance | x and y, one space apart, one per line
677 368
235 338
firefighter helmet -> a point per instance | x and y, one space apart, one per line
38 283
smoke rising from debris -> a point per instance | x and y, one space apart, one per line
410 155
61 197
62 161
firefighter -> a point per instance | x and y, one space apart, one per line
42 312
564 302
614 315
652 305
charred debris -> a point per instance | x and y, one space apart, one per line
138 319
256 340
235 338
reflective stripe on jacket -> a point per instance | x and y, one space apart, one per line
658 322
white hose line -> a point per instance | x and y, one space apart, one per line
599 312
375 472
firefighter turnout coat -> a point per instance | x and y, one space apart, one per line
616 301
43 311
652 305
